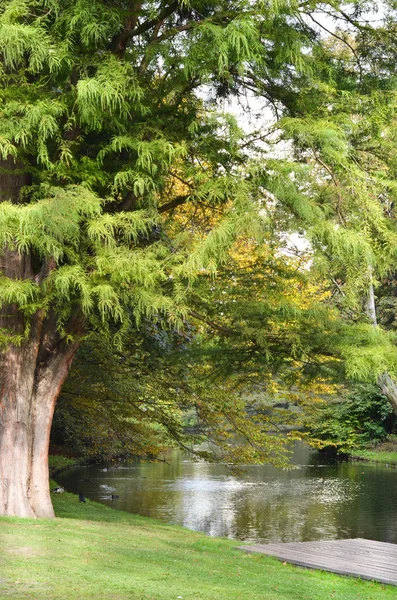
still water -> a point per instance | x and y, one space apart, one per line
311 502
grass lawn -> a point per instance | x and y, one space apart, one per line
57 462
94 552
385 453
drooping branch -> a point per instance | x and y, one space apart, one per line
216 326
340 38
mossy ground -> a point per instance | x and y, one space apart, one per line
94 552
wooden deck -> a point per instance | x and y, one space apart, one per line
367 559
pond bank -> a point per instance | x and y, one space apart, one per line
93 552
384 453
58 463
316 500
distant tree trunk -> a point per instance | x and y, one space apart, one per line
370 307
389 388
31 377
387 385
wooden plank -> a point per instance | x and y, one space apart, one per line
336 557
357 557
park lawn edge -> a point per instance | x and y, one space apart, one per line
383 454
57 463
90 551
372 456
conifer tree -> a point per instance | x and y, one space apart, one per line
100 116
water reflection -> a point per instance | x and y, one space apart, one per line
314 501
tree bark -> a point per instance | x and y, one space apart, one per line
31 377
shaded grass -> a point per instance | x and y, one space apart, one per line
385 453
94 552
57 462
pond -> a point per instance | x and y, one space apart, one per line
316 500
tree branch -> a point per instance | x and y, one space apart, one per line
338 37
173 204
212 324
119 43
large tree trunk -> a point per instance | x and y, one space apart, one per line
31 377
29 389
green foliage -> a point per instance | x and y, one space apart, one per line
127 403
100 110
97 126
126 192
361 418
136 402
384 453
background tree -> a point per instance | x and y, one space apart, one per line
339 181
358 417
255 351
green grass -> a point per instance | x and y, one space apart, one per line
385 453
94 552
389 458
57 462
